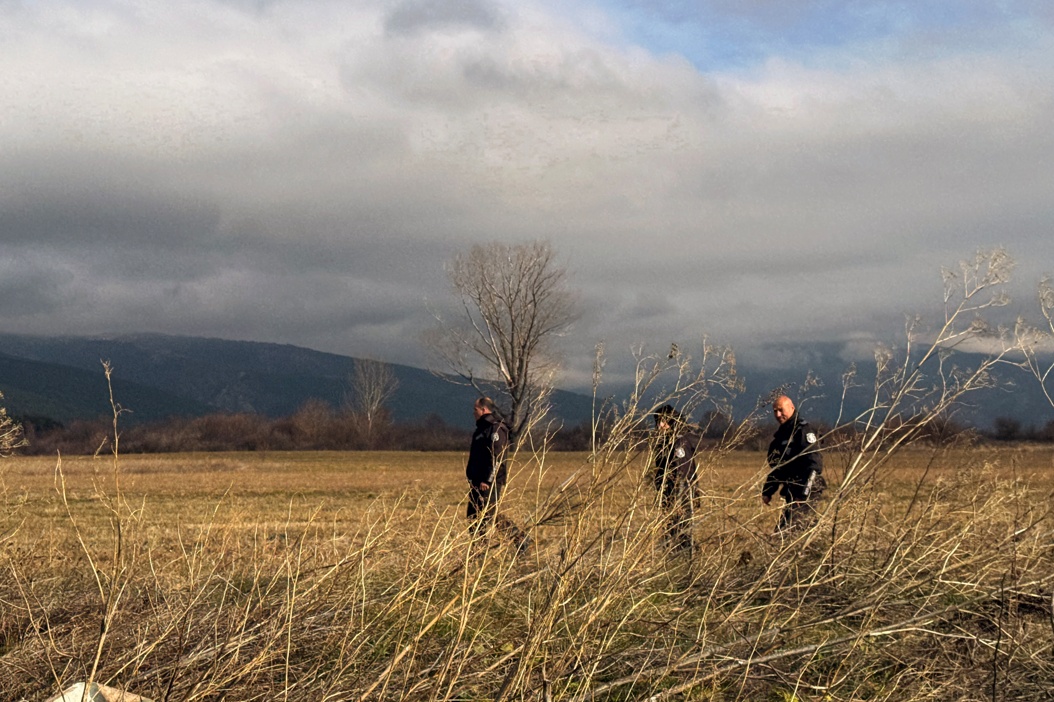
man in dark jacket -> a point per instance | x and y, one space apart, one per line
796 466
675 475
487 472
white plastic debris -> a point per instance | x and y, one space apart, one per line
96 693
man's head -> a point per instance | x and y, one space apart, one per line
782 408
483 406
666 417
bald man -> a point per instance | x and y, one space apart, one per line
795 464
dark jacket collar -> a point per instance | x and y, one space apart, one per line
788 426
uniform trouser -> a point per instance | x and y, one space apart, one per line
483 504
796 514
482 509
678 505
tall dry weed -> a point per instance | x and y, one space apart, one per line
931 583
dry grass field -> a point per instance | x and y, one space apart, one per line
351 576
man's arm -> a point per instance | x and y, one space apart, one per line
773 481
499 444
684 460
778 457
805 446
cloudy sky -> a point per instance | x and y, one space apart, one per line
297 171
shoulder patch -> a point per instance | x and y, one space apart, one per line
495 436
810 437
680 452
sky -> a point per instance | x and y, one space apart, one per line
298 171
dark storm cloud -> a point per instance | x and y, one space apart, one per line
30 290
89 207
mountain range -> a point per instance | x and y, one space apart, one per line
159 376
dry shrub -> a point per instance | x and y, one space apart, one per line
927 576
313 427
943 597
930 579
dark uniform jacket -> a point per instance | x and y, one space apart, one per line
486 456
794 460
675 462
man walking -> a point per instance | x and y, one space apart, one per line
796 466
487 472
675 476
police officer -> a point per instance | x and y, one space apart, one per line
487 472
796 466
675 475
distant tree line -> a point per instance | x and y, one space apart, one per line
1013 430
317 426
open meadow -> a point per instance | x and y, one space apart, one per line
351 576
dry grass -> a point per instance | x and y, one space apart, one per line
350 576
928 575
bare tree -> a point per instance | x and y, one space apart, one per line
516 302
371 385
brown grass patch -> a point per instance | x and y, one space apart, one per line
315 576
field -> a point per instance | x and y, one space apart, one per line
347 576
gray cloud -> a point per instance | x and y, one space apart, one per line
299 172
411 16
30 289
102 203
